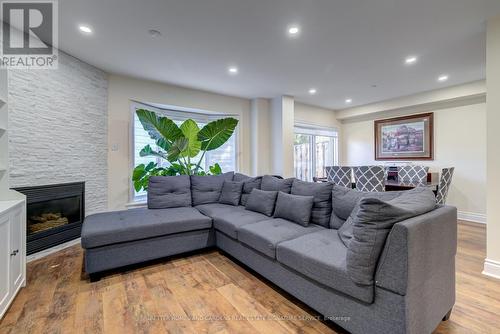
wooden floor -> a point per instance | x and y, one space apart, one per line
209 293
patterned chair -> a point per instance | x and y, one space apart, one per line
444 185
414 174
339 175
370 178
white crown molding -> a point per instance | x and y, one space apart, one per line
491 268
472 217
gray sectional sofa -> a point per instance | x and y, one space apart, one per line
370 262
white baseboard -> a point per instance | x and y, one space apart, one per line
472 217
54 249
491 268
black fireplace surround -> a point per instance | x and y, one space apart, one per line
54 214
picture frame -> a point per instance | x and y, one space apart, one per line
405 138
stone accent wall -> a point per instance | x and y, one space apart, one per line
58 129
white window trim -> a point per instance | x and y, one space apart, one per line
197 115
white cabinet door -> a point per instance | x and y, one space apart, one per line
16 251
4 262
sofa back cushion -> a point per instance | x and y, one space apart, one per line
169 192
272 183
344 200
262 201
372 223
322 193
231 192
249 183
207 189
295 208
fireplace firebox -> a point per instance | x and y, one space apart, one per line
54 214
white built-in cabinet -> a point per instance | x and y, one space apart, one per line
12 251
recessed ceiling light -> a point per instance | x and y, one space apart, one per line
154 33
85 29
410 60
293 30
348 101
443 78
312 91
233 70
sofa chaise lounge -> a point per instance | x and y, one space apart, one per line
307 238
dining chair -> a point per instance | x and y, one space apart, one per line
339 175
414 174
444 185
369 178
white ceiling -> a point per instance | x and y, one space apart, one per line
343 49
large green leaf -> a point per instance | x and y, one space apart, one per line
216 133
178 146
158 127
190 131
147 151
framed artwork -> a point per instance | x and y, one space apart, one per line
405 138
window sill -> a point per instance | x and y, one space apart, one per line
136 204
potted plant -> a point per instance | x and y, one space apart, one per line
179 145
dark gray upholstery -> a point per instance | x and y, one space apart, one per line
169 192
214 209
249 183
262 201
321 256
231 221
265 235
121 226
207 189
322 193
295 208
372 224
273 183
231 193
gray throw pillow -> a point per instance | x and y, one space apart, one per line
207 189
249 183
373 222
231 193
295 208
272 183
344 200
169 192
262 201
322 193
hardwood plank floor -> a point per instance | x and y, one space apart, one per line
221 295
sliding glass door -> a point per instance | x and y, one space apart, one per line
314 149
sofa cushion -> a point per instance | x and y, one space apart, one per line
373 222
294 208
266 235
321 256
249 183
169 192
231 193
272 183
262 201
230 222
344 201
322 193
128 225
207 189
214 209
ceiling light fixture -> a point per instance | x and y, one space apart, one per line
154 33
312 91
348 101
233 70
85 29
410 60
443 78
293 30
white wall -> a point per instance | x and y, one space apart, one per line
123 90
58 128
460 141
